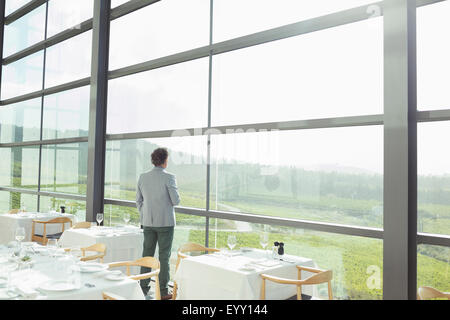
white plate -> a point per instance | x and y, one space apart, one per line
6 295
115 277
92 267
28 244
55 285
247 268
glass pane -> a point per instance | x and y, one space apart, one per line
77 208
174 97
19 167
15 200
356 262
433 65
66 114
234 18
158 30
22 76
65 14
13 5
433 267
116 3
69 60
25 32
433 178
126 160
64 168
20 121
303 77
329 175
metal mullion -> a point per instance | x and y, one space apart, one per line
400 151
355 121
433 115
208 143
44 142
97 109
42 109
433 239
48 91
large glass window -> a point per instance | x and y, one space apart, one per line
357 263
75 207
330 73
330 175
126 160
433 65
20 121
15 200
69 60
64 168
65 14
66 114
433 178
24 32
174 97
22 76
158 30
19 167
234 18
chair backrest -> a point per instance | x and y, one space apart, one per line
192 247
13 211
425 293
100 248
82 225
318 278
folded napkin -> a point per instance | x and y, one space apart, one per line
267 263
26 292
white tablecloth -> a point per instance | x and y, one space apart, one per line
10 222
216 277
122 244
47 268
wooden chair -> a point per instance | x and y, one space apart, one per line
13 211
426 293
44 237
111 296
320 276
82 225
181 254
148 262
99 248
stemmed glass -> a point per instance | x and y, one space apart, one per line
231 241
126 218
264 240
20 235
99 218
52 245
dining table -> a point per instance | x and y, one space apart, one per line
10 222
228 275
53 274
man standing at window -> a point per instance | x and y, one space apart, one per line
156 196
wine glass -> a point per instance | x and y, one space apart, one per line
126 218
99 218
264 240
20 235
231 241
52 245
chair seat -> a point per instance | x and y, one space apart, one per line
51 236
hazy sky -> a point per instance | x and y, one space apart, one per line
330 73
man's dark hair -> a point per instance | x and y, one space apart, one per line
159 156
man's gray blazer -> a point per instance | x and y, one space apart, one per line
156 195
